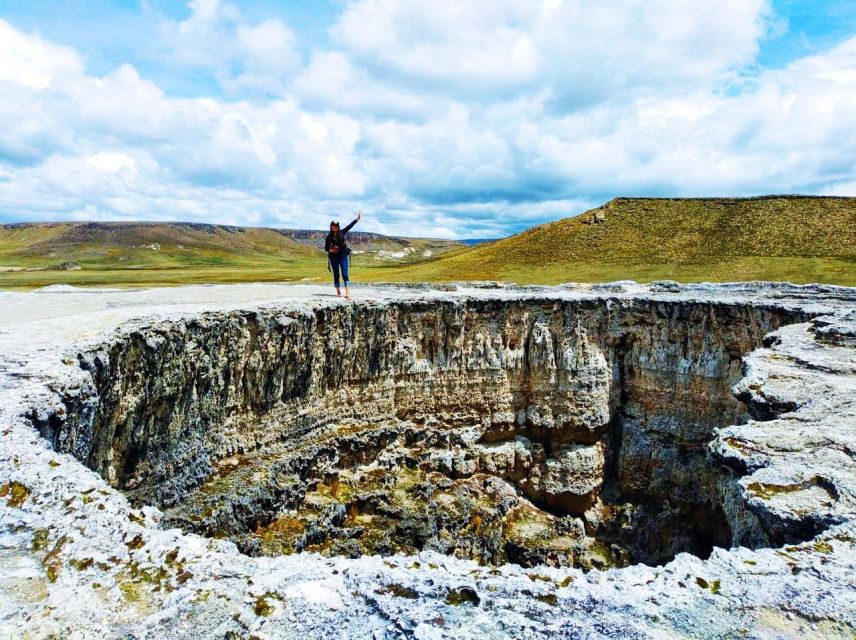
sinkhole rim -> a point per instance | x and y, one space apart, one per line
705 445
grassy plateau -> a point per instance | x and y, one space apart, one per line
798 239
158 254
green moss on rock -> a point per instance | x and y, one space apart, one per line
15 493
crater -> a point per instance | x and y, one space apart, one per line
566 432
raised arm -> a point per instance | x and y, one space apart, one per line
356 220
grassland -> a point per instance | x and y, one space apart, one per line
161 254
787 238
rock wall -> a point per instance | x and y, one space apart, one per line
599 410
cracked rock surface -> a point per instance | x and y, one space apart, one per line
476 461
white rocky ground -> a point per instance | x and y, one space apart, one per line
76 561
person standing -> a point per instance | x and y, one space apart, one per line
338 253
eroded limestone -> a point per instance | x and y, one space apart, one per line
540 431
620 371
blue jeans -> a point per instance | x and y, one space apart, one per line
339 262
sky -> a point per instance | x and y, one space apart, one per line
457 119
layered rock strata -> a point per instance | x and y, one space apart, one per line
533 431
78 560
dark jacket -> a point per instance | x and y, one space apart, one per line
338 241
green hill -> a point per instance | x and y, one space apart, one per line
793 238
132 253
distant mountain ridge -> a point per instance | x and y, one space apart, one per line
470 242
103 244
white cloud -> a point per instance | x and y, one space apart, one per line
244 57
111 162
118 146
29 61
486 45
332 81
121 104
582 50
471 120
206 37
269 46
